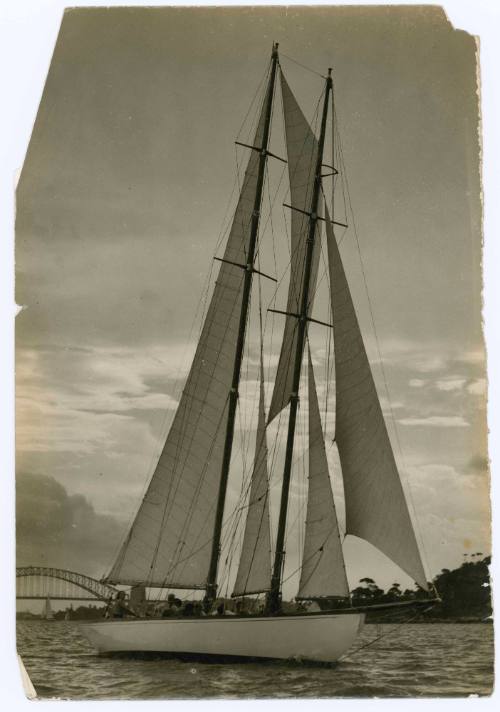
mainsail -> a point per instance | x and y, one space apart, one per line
302 151
170 539
376 508
254 570
323 569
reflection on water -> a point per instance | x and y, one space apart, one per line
415 660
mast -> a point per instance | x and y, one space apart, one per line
211 586
273 601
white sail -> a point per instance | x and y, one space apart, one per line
376 508
48 613
170 540
323 569
302 150
254 570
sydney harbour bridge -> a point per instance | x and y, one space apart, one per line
34 582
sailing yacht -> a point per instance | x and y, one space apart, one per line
48 614
175 539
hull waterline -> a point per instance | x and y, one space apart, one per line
322 638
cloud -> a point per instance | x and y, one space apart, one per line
477 387
417 382
475 357
429 363
61 530
437 421
85 400
450 383
452 506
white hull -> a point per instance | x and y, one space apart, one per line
318 637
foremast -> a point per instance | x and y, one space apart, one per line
273 604
211 586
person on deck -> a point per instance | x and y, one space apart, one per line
198 609
241 608
120 608
188 610
173 608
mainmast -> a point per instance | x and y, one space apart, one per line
211 587
274 600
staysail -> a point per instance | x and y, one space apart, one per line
323 569
376 508
302 150
170 539
254 570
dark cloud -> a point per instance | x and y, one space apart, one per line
61 530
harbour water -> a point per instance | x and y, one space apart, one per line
419 660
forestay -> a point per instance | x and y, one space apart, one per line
169 542
376 508
302 150
323 569
254 570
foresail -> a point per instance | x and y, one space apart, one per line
323 570
254 570
302 149
170 540
376 508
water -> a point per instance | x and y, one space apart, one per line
415 660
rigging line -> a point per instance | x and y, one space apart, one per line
328 350
303 226
181 444
120 549
384 635
246 485
261 444
194 501
339 241
338 158
273 297
223 270
320 550
308 69
190 511
227 523
230 545
258 93
236 183
314 121
242 414
297 462
382 368
300 462
302 485
249 417
301 154
272 203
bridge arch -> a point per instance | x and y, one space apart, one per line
98 590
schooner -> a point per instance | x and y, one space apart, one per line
175 539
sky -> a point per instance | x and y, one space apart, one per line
121 204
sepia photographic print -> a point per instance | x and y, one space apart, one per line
251 433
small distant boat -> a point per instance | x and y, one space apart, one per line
48 614
175 539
